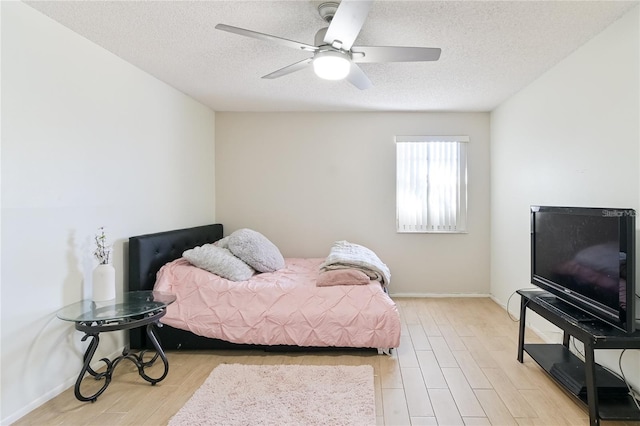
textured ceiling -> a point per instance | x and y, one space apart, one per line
490 50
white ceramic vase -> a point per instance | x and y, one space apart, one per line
104 283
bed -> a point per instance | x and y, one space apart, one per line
285 309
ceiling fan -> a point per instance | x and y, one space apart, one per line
334 55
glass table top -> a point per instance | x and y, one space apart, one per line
128 305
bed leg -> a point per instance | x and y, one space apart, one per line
386 351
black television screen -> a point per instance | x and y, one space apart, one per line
586 257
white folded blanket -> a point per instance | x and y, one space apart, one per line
346 255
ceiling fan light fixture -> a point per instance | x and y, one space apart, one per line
331 65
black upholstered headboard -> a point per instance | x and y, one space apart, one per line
147 253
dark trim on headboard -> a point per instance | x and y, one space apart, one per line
148 253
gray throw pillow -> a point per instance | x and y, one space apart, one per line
255 250
219 261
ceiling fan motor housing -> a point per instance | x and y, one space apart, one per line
327 10
319 38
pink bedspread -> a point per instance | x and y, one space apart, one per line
279 308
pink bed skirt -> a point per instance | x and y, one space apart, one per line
280 308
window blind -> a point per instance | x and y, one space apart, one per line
431 183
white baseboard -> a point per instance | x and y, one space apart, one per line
545 336
38 402
52 393
438 295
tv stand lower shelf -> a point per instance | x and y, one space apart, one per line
613 402
605 395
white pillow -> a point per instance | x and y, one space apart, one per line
222 242
219 261
255 250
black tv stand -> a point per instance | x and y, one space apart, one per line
602 392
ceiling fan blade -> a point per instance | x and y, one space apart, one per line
358 78
367 54
266 37
289 69
347 22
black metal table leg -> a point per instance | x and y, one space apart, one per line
86 368
138 359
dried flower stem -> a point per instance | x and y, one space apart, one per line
103 251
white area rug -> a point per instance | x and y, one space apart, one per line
236 394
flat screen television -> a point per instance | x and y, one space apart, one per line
586 257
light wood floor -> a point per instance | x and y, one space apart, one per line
456 365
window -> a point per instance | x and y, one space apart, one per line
431 183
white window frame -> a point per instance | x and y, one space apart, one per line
413 186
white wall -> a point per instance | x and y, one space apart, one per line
308 179
88 140
570 138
